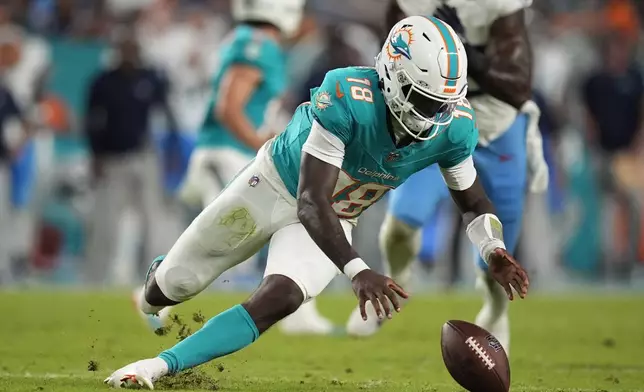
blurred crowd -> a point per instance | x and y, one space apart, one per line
72 212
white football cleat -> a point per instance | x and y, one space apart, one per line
154 321
306 321
141 373
358 327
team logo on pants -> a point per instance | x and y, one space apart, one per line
254 180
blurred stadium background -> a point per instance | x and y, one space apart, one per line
585 231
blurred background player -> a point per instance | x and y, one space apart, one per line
246 93
13 137
24 65
614 102
500 68
124 163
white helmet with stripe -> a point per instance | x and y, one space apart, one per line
286 15
423 72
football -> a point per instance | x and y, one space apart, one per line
474 357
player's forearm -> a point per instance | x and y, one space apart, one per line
484 228
323 225
472 202
506 81
241 127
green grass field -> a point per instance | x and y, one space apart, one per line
581 343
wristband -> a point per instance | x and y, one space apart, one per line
354 267
489 247
486 233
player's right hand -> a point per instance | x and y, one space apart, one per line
369 285
508 273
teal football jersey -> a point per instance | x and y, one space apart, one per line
246 45
350 105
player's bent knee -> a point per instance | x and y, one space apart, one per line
396 235
179 283
400 243
396 230
277 297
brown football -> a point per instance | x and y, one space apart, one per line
474 358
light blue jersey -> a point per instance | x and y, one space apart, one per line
248 46
350 105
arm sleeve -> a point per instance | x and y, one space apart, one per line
324 145
330 108
462 138
461 176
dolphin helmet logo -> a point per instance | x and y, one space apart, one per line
398 43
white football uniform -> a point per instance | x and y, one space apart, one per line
210 169
493 116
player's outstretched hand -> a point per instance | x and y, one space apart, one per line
380 290
507 271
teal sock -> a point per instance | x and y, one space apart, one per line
223 334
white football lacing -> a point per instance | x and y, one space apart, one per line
480 352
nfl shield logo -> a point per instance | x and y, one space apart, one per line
393 156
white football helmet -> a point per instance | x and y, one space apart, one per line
286 15
423 72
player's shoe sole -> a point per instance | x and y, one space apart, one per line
154 322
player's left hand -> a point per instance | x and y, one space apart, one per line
508 273
379 290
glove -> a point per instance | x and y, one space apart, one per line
538 174
448 15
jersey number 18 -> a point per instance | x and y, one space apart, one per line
352 197
359 92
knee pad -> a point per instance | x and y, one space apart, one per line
399 243
178 283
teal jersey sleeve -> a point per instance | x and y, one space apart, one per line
462 135
330 108
251 48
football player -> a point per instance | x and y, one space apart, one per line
509 146
365 131
246 89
